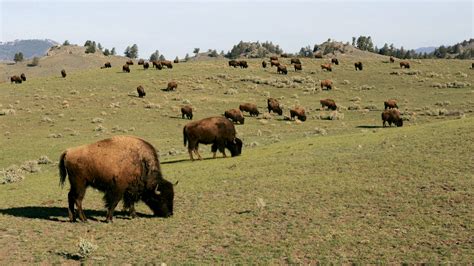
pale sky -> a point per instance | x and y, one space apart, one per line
177 27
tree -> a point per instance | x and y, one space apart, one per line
18 57
88 43
154 56
354 41
113 52
213 53
66 43
134 51
176 59
106 52
162 57
90 49
127 51
186 58
196 51
99 46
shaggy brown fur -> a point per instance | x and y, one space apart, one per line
295 61
187 111
329 103
243 64
281 69
327 67
392 116
63 73
358 66
129 62
404 64
274 105
157 64
107 65
146 65
23 77
123 167
249 107
233 63
335 61
298 112
218 131
390 104
274 63
141 91
326 83
141 62
126 68
167 64
15 79
298 67
172 85
235 115
274 58
264 64
392 60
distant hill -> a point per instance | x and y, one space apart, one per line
427 50
29 48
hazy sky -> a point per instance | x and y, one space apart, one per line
176 27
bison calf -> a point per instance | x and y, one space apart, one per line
329 103
23 77
187 111
299 113
327 67
235 115
274 105
250 108
404 64
141 91
390 104
282 69
298 67
172 85
15 79
392 116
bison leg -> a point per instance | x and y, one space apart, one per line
80 211
112 198
71 199
191 154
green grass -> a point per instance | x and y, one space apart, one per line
358 194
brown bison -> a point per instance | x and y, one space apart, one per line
146 65
167 64
243 64
172 85
392 60
284 55
23 77
107 65
274 58
281 69
318 55
392 116
327 67
141 91
326 83
358 66
298 67
295 61
157 64
390 104
63 73
218 131
274 105
250 108
126 68
264 64
299 113
235 115
124 167
274 63
404 64
335 61
129 62
234 63
15 79
329 103
141 62
187 111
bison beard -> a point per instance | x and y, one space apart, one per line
123 167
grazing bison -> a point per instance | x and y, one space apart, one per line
282 69
326 83
318 55
274 58
129 62
235 115
249 107
274 63
335 61
157 64
390 104
392 116
167 64
141 91
392 60
234 63
264 64
329 103
404 64
298 67
472 66
124 167
243 64
141 62
146 65
126 68
23 77
295 61
358 66
299 113
218 131
107 65
327 67
187 111
172 85
63 73
274 105
15 79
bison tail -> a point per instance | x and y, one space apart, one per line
185 136
62 170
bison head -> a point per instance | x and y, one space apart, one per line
160 200
399 123
235 147
302 117
279 110
241 120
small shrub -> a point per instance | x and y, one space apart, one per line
231 92
12 174
97 120
86 248
44 160
30 166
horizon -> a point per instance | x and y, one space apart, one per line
221 24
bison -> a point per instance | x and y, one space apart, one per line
129 62
274 63
358 66
329 103
234 63
172 85
392 116
392 60
390 104
218 131
157 64
243 64
264 64
235 115
404 64
141 91
123 167
299 113
187 111
167 64
327 67
126 68
281 69
295 61
335 61
141 62
250 108
326 83
274 105
146 65
107 65
23 77
63 73
15 79
298 67
274 58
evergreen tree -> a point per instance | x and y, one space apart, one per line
213 53
88 43
127 51
354 41
113 52
18 57
154 56
162 57
186 58
66 43
90 49
134 51
99 46
106 52
196 51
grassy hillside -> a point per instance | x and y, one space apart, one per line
342 190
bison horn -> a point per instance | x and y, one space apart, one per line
175 183
156 190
